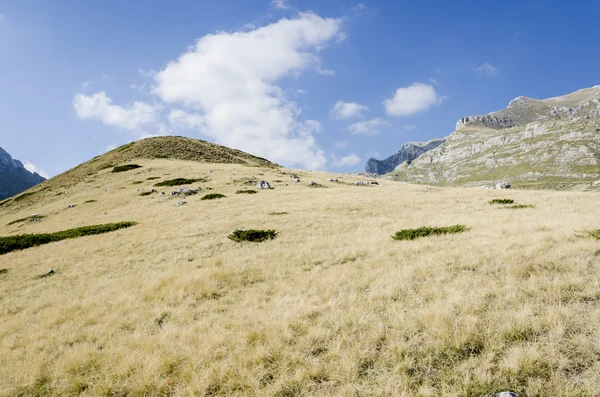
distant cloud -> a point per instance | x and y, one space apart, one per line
324 71
369 127
347 161
432 80
345 110
410 100
280 4
341 144
29 166
100 107
486 69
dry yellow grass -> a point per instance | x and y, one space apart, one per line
332 306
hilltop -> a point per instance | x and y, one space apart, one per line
14 177
533 143
165 303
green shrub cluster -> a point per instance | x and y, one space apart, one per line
423 231
252 235
246 192
179 182
127 167
23 241
212 196
501 201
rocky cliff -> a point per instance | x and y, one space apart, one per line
14 178
532 142
409 152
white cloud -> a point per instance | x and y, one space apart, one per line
369 127
325 71
100 107
345 110
280 4
227 85
407 101
29 166
486 69
347 161
341 144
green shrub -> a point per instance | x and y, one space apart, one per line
152 178
518 206
246 192
3 271
278 213
90 201
254 236
25 219
23 241
127 167
590 233
212 196
501 201
423 231
179 182
137 182
145 194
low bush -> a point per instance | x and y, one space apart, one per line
23 241
518 206
423 231
255 236
278 213
246 192
32 218
590 233
127 167
212 196
90 201
179 182
145 194
137 182
501 201
152 178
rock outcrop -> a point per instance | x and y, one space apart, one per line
14 178
409 152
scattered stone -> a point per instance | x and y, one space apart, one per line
263 185
313 183
297 180
294 176
50 273
507 394
361 183
503 185
163 194
70 206
181 202
374 183
334 180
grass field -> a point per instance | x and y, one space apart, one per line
333 306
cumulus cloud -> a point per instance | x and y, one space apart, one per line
29 166
100 107
410 100
345 110
486 69
369 127
347 161
280 4
226 86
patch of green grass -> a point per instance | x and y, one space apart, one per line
23 241
127 167
152 178
137 182
423 231
145 194
179 182
255 236
246 192
24 196
212 196
90 201
3 271
590 233
519 206
501 201
25 219
278 213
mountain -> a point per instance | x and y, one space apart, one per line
407 153
14 178
534 143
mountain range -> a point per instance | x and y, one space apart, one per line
14 177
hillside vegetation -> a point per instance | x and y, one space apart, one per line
333 305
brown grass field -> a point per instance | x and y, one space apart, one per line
333 306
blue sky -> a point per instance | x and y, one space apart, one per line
308 84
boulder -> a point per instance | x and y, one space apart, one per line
507 394
503 185
263 185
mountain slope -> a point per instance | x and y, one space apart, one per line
407 153
532 143
14 178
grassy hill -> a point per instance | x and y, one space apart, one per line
332 305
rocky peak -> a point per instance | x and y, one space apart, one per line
14 178
407 153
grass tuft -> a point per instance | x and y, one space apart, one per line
212 196
246 192
278 213
179 182
255 236
23 241
501 201
152 178
90 201
423 231
127 167
518 206
145 194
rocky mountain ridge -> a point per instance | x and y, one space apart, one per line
14 177
407 153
